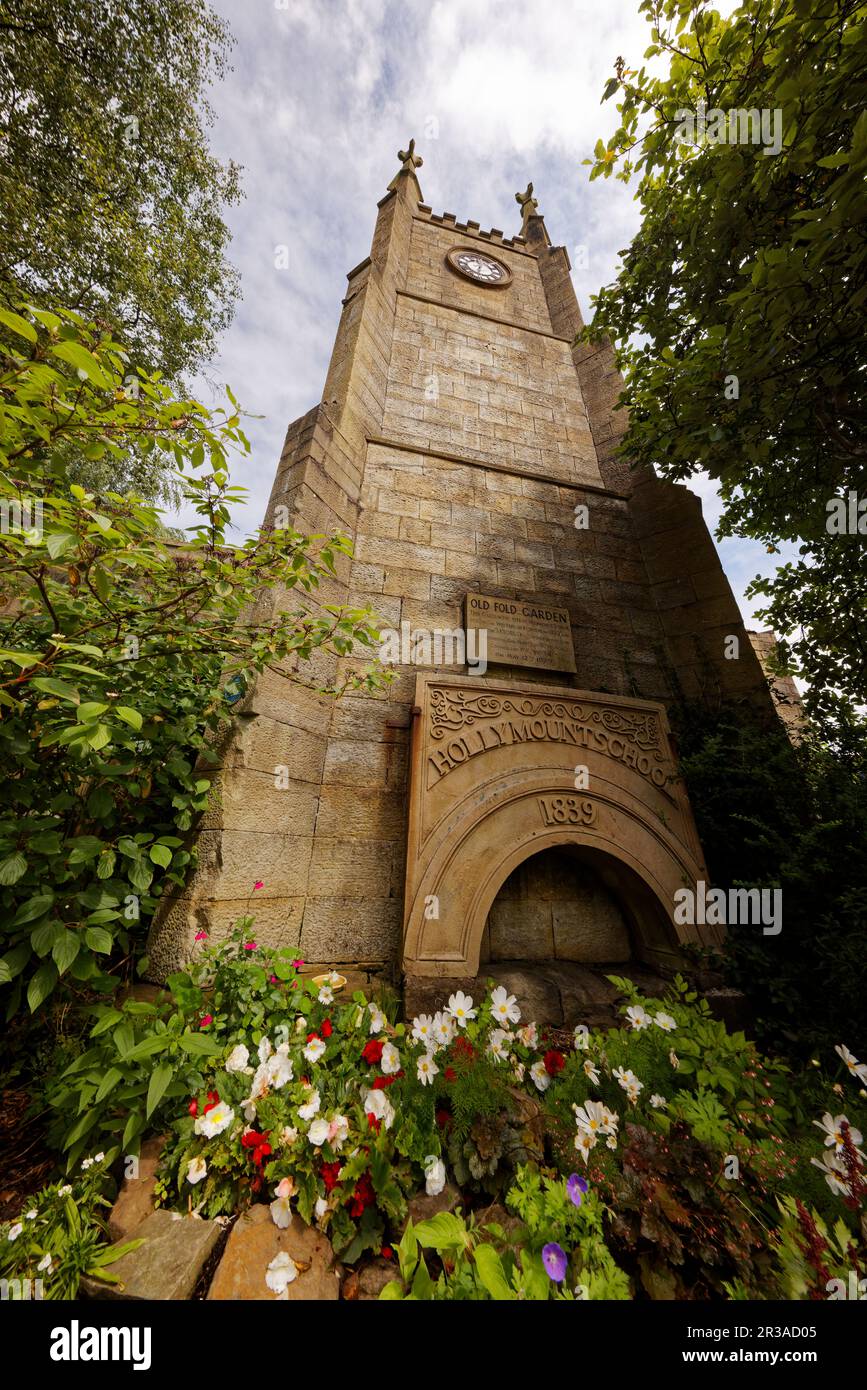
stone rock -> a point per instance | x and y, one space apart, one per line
422 1207
168 1263
366 1284
255 1241
536 991
498 1213
134 1202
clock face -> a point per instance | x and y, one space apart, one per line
475 266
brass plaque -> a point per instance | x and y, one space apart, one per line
522 632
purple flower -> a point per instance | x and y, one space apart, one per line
576 1187
554 1260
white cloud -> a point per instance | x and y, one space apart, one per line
322 95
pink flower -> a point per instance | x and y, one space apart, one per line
201 935
249 945
258 884
272 980
297 964
206 1020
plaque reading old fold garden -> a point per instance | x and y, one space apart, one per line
522 632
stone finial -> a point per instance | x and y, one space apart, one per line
409 162
528 204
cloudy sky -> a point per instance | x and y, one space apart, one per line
322 95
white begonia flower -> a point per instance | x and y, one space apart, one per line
853 1066
87 1163
333 977
434 1175
390 1060
638 1017
443 1028
504 1007
314 1049
377 1104
14 1231
422 1029
238 1059
310 1107
326 995
541 1079
832 1127
584 1142
31 1215
377 1018
833 1170
320 1208
197 1169
218 1118
461 1008
280 1273
529 1034
280 1069
44 1266
318 1133
518 1069
591 1071
264 1050
665 1022
98 1158
498 1044
658 1102
281 1212
628 1080
426 1069
338 1132
288 1135
248 1109
65 1190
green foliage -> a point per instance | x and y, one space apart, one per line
770 815
60 1236
484 1262
109 197
117 649
749 268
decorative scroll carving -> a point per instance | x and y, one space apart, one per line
452 710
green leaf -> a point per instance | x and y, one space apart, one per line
13 963
160 1078
33 908
161 855
489 1268
18 325
444 1231
64 951
52 686
99 940
58 542
131 716
200 1045
82 360
12 868
108 1083
41 985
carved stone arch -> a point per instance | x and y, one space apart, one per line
493 782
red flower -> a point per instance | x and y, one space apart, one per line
259 1144
372 1052
443 1118
362 1197
330 1175
325 1028
373 1123
554 1062
464 1047
386 1252
256 1183
311 1036
213 1099
194 1107
258 884
206 1020
451 1074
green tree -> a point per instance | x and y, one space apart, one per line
110 201
119 649
739 310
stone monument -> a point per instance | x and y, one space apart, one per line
524 805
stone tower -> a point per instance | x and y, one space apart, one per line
530 810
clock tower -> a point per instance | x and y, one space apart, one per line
513 795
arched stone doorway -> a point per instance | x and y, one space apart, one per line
556 906
493 783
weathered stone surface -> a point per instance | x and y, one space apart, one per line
366 1284
255 1241
422 1207
168 1263
135 1199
